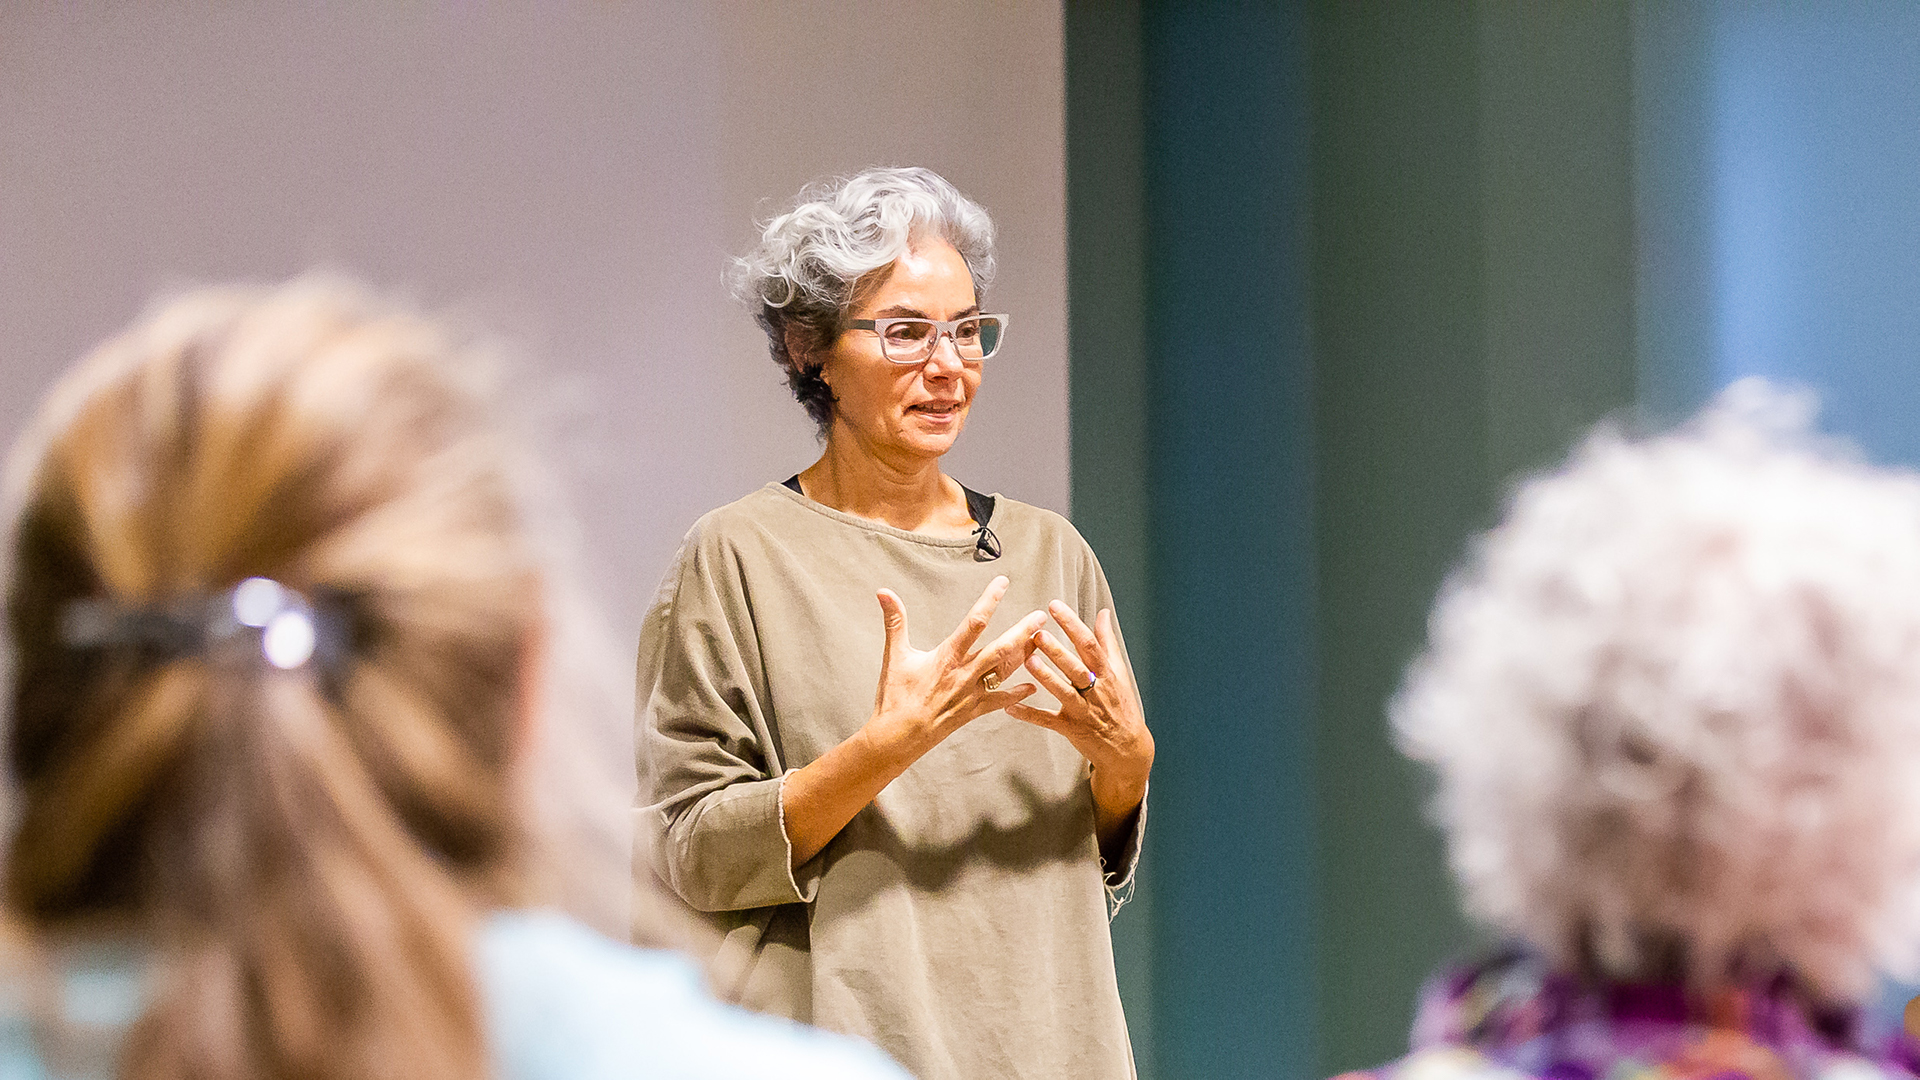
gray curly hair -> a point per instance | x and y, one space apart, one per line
807 270
1673 701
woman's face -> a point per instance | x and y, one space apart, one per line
906 410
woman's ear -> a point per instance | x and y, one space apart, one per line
802 352
799 354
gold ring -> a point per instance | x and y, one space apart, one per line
991 680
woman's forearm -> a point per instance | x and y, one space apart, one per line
922 698
819 798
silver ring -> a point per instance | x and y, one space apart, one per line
1092 681
991 680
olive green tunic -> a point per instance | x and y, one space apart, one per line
960 921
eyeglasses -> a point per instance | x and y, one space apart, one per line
911 341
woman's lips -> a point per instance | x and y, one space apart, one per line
937 409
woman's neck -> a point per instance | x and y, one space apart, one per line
911 494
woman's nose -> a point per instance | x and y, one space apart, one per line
945 359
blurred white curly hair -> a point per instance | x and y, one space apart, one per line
1673 702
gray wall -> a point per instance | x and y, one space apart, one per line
573 174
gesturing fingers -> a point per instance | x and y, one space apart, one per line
893 615
1052 681
1038 717
1106 626
975 624
1092 654
1079 678
1006 652
1008 698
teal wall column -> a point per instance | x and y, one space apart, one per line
1192 477
1230 476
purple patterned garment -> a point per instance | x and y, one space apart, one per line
1513 1018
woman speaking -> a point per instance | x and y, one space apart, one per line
898 840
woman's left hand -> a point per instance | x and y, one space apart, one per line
1099 711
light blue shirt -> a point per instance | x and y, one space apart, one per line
562 1003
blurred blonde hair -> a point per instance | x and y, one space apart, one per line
310 848
1673 701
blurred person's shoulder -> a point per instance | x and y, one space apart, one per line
1722 1055
1440 1063
66 1007
1514 1016
563 1001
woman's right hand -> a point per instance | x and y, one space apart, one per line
923 697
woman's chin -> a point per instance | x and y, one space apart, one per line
933 438
928 447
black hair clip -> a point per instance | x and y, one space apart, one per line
289 630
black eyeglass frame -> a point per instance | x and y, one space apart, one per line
948 327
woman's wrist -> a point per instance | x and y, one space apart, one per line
1117 790
894 739
1121 774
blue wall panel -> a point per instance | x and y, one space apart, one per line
1815 192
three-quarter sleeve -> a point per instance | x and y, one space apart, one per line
709 803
